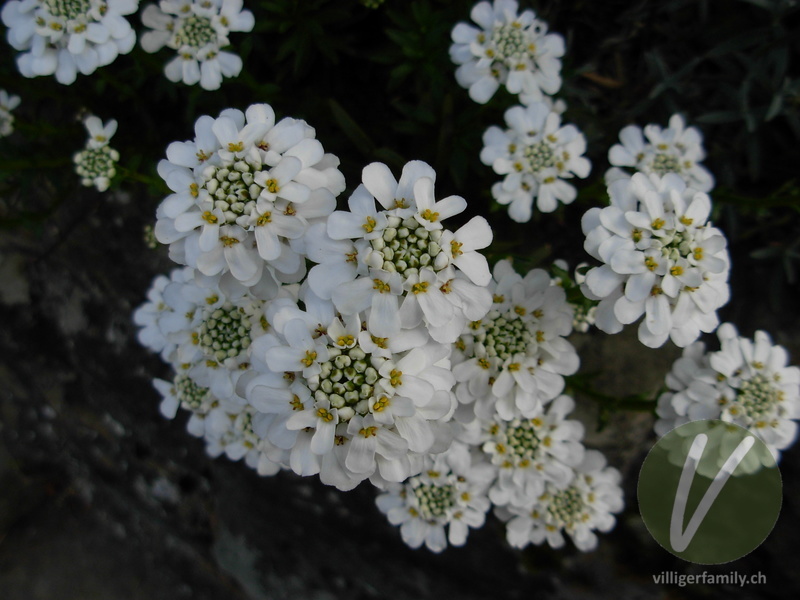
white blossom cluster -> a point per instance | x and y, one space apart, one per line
197 30
396 260
397 358
344 371
536 154
96 163
746 382
67 37
676 149
205 335
8 102
514 359
515 448
506 48
245 191
662 259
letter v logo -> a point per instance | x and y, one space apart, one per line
678 539
709 491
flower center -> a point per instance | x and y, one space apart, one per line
96 162
195 31
516 443
347 380
233 190
433 500
758 397
69 9
406 246
567 507
540 156
225 333
191 396
521 438
665 163
510 44
674 244
506 336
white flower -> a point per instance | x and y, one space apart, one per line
204 331
529 452
677 149
536 154
8 102
64 37
344 410
449 493
402 266
587 505
239 190
748 383
663 260
506 49
228 427
148 315
197 30
96 164
514 358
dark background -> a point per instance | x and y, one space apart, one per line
100 497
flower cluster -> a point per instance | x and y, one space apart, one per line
584 506
449 493
662 259
515 447
205 335
8 102
677 149
746 382
515 357
506 49
65 37
349 404
246 189
399 264
346 376
536 154
96 163
197 30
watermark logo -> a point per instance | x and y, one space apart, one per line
710 492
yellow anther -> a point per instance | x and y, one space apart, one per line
381 286
272 186
420 288
309 358
325 415
430 215
367 432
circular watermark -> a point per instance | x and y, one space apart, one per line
710 492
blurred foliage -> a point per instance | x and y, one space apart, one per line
376 81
